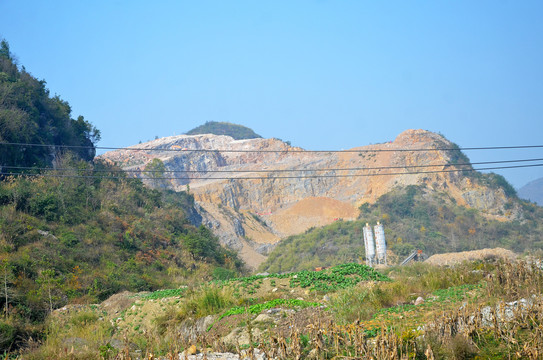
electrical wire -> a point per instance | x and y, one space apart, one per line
289 150
278 170
268 177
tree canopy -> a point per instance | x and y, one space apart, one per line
236 131
30 115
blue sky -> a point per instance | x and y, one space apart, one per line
321 74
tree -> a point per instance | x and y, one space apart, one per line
4 49
49 284
6 272
156 169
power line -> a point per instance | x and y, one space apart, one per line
288 150
275 170
269 177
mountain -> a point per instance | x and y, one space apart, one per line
237 132
533 191
252 208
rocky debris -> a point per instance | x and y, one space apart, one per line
240 336
482 255
245 354
419 301
118 302
46 234
504 312
190 329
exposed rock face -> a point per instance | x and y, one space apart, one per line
251 209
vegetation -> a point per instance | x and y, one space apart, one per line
469 311
238 132
29 115
414 218
66 240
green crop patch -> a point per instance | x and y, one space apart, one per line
160 294
332 279
258 308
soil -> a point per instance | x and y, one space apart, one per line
459 257
312 211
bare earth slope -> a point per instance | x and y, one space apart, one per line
250 210
474 255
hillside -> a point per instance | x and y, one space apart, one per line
415 218
533 191
237 132
80 240
253 193
29 114
474 310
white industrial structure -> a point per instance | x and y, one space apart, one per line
371 245
380 243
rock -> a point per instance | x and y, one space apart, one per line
419 301
257 354
116 344
75 343
274 290
190 328
263 318
245 354
241 336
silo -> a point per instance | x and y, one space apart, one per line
380 243
369 244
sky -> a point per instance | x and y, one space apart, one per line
324 75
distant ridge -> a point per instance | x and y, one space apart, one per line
533 191
238 132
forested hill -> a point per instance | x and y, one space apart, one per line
28 114
238 132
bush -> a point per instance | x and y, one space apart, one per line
220 273
7 336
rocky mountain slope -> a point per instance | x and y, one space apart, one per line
533 191
251 208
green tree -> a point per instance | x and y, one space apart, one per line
6 272
156 169
49 286
4 49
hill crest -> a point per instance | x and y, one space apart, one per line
236 131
